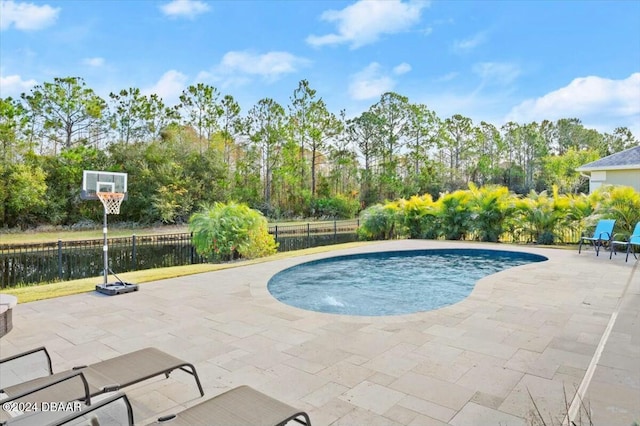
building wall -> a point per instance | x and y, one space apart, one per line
615 177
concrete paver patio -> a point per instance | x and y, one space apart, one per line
537 329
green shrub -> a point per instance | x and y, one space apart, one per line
229 231
380 222
543 218
338 207
581 206
490 206
420 217
454 213
621 203
546 238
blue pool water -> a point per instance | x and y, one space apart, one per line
390 283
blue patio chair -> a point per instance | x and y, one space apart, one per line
634 240
603 235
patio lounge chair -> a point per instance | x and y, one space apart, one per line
17 408
603 235
106 376
237 407
241 406
634 240
112 410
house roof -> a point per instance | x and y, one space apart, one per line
627 159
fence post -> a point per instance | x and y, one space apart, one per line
335 231
193 249
308 235
134 262
276 234
60 259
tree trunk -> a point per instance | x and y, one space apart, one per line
313 172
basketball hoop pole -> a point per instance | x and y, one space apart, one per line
111 202
105 248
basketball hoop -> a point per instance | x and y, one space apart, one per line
111 201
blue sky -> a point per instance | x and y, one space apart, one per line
493 61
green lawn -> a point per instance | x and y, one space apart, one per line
68 235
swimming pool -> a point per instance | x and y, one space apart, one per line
390 283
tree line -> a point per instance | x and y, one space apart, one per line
295 160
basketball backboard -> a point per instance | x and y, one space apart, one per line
101 181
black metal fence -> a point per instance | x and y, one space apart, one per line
565 236
69 260
297 237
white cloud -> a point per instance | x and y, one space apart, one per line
427 31
220 81
370 83
26 16
496 73
366 20
447 77
599 102
270 65
93 62
403 68
470 43
184 8
169 87
14 85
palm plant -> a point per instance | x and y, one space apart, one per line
581 207
621 203
541 217
453 211
420 217
228 231
382 222
491 206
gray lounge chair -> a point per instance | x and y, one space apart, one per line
602 236
242 406
112 410
107 376
17 409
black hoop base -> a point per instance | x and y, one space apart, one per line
111 289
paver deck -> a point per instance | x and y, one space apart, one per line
537 329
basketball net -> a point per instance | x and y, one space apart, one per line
111 201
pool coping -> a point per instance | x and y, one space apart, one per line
533 328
